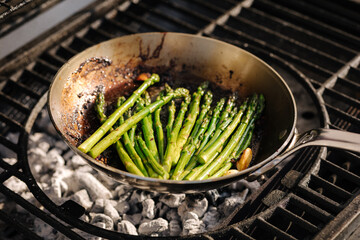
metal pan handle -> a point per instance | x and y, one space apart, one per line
315 137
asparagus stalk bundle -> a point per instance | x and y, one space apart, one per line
106 126
202 141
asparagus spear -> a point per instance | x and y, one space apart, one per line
126 160
105 127
131 132
221 127
171 145
244 143
212 127
151 160
100 106
124 157
189 150
208 153
189 122
148 167
229 105
129 146
212 124
205 107
148 131
118 132
199 169
224 155
171 118
159 131
224 168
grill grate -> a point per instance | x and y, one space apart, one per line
14 13
315 42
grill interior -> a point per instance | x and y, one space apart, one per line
316 42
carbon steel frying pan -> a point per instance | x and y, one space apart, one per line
181 58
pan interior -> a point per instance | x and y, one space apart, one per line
177 57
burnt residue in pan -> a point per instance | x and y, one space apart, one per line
145 55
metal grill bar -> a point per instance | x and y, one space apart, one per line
322 15
262 223
15 103
344 173
297 220
37 212
330 190
311 209
13 221
319 199
292 46
8 144
341 114
293 31
227 33
10 122
307 22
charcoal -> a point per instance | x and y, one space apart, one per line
148 210
196 203
172 200
82 198
61 145
43 229
172 214
98 206
93 186
122 207
106 180
155 226
189 215
99 217
175 228
138 196
161 209
193 226
212 196
77 161
123 192
54 159
230 203
110 211
211 218
242 184
16 185
126 227
134 218
69 155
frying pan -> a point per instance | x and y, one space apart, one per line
114 64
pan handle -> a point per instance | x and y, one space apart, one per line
315 137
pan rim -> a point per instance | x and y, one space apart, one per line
136 178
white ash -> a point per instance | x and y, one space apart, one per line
126 227
120 207
155 226
148 208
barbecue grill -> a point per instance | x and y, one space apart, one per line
313 45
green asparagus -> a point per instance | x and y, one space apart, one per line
159 131
118 132
212 124
124 157
170 148
225 153
151 160
105 127
189 122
